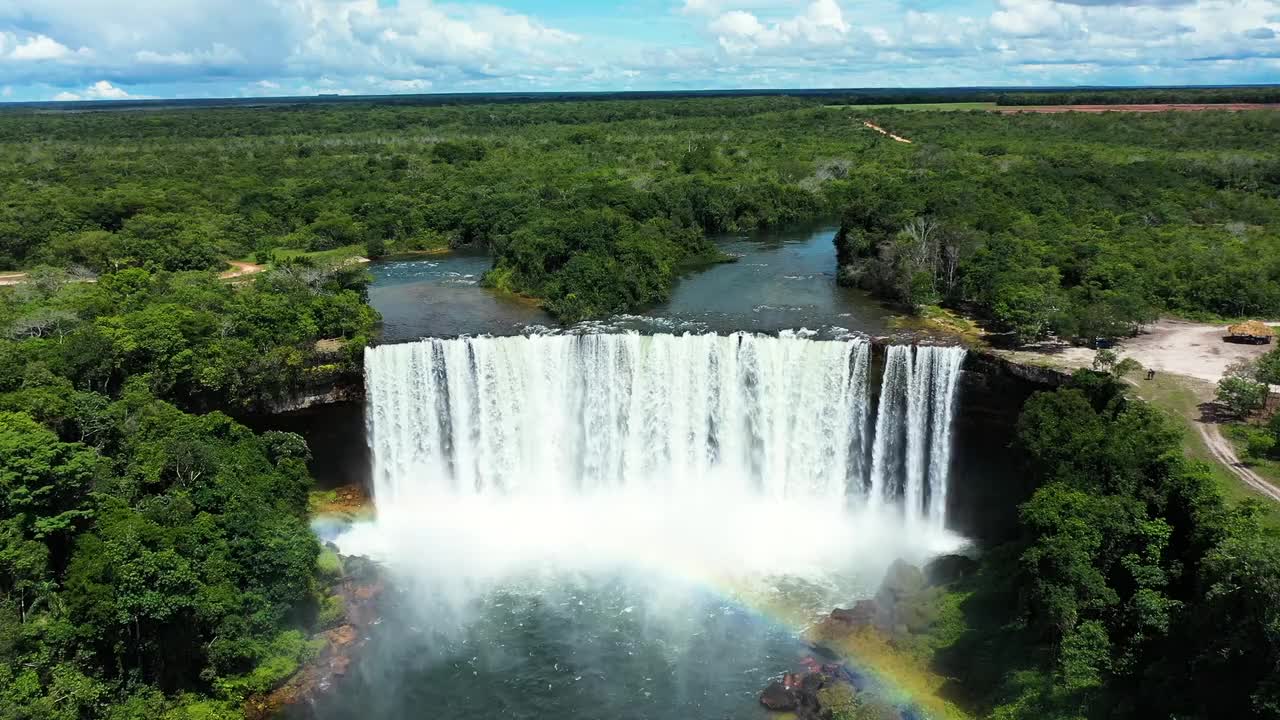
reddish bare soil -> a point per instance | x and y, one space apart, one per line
1136 108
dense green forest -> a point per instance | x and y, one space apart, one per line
1080 225
155 562
1076 224
163 553
1130 589
1139 96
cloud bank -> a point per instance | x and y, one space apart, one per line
96 49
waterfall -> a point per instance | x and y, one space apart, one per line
946 376
661 416
911 459
886 458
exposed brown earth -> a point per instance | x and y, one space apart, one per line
348 499
1199 351
1136 108
884 132
240 268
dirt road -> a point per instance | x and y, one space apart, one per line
239 268
882 131
1225 453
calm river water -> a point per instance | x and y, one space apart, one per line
782 279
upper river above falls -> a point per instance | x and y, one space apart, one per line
782 279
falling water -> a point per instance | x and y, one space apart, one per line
887 455
741 415
911 458
946 376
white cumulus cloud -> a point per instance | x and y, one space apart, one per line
218 54
100 90
40 47
822 23
34 48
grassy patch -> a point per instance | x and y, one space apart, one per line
350 501
939 320
1268 468
282 657
329 564
320 500
338 254
333 611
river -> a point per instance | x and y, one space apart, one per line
781 279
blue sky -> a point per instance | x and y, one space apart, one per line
113 49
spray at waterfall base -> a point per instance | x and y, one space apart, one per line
754 465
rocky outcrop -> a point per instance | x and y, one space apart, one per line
905 599
991 364
315 394
863 614
823 691
778 697
900 581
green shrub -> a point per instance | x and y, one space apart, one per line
1258 442
281 659
838 701
192 707
333 610
329 564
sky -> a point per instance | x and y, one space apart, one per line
120 49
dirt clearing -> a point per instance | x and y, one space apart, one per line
1195 350
1186 107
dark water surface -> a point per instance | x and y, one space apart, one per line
782 279
441 296
587 649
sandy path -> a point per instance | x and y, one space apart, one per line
882 131
240 268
